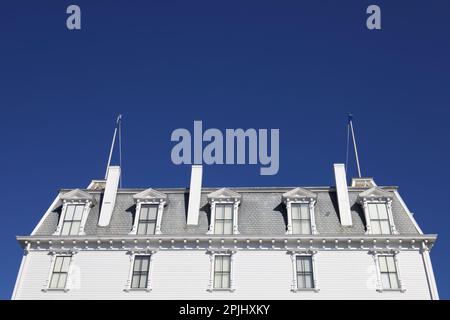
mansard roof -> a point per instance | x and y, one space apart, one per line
77 194
375 193
261 212
224 193
149 194
299 193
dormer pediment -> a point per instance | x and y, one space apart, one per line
224 193
375 193
149 194
77 195
299 194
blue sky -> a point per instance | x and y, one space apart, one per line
299 66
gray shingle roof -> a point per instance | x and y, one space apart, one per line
261 212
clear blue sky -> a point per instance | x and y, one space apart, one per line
295 65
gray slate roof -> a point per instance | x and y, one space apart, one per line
261 212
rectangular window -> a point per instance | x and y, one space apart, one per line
388 270
140 272
60 271
147 219
72 219
223 219
305 278
222 271
301 218
379 220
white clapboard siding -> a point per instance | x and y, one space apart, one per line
183 274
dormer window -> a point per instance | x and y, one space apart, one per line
301 218
149 209
72 219
224 211
379 219
300 211
74 212
377 204
147 219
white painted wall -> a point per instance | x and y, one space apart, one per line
257 275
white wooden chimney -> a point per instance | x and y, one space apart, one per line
109 197
342 194
195 192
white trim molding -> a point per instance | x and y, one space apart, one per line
299 195
75 197
213 253
303 253
425 251
149 197
393 253
377 195
132 255
224 196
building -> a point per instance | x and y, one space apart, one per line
344 242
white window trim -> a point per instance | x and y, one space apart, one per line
212 256
394 254
294 285
311 202
235 203
87 208
388 202
160 202
55 254
132 255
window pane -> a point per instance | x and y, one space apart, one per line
144 264
218 228
385 280
217 280
225 280
69 212
144 213
152 213
394 280
391 264
151 226
305 227
385 228
62 280
66 228
382 210
383 264
376 228
58 264
228 227
226 264
218 263
137 264
65 264
295 211
135 281
75 228
78 212
304 264
296 227
143 281
228 212
304 211
308 281
142 228
219 211
54 281
373 212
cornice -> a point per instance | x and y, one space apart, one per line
295 242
